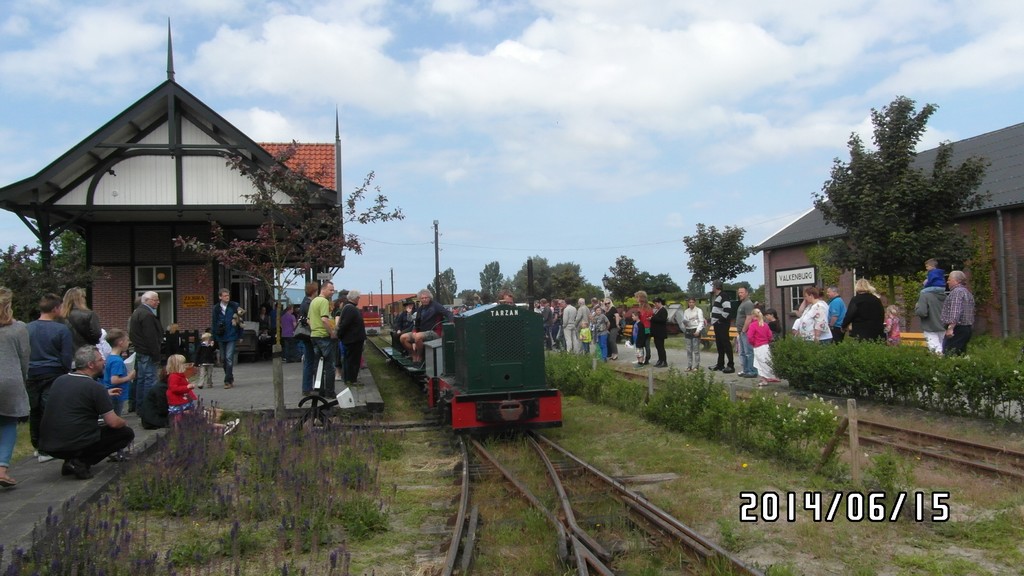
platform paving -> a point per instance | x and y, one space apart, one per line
41 489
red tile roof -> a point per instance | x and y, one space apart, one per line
317 160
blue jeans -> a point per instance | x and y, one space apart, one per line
308 366
327 349
147 369
747 355
8 434
602 345
227 352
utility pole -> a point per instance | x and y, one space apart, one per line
437 263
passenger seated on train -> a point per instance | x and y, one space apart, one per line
429 318
404 324
505 297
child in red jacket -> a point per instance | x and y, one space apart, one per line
182 400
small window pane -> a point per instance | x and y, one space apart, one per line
143 276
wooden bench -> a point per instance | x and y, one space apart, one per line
912 339
709 339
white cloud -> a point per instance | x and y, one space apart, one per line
305 60
454 7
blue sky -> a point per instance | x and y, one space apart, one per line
577 130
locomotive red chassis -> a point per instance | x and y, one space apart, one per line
528 409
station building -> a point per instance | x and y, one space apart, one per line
997 227
156 171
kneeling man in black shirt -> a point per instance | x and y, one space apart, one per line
80 425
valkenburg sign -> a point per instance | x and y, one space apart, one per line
796 277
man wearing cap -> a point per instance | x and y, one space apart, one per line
403 323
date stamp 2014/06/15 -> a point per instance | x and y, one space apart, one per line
849 506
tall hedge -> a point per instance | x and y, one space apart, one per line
986 383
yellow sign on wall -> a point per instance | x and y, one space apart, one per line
195 301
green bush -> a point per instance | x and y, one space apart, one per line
694 403
697 404
987 383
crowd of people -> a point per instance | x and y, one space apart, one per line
71 380
74 381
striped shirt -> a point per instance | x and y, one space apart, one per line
958 308
721 310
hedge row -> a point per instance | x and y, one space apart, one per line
695 403
987 383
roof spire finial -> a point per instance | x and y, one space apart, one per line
170 53
337 153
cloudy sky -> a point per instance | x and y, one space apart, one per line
578 130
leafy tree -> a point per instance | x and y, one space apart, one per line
660 284
717 255
567 281
625 278
696 289
491 281
820 255
299 232
541 280
758 294
895 213
470 297
22 272
447 287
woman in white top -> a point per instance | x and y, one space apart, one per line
692 324
814 320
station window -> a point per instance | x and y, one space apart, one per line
796 297
159 279
154 277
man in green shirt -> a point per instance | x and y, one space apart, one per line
324 340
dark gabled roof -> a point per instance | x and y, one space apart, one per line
122 136
1004 182
809 227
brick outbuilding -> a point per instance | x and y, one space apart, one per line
997 227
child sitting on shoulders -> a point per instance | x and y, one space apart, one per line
892 325
115 373
206 358
182 400
936 279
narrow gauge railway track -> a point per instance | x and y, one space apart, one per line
619 522
983 457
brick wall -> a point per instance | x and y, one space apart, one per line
193 280
153 243
112 297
